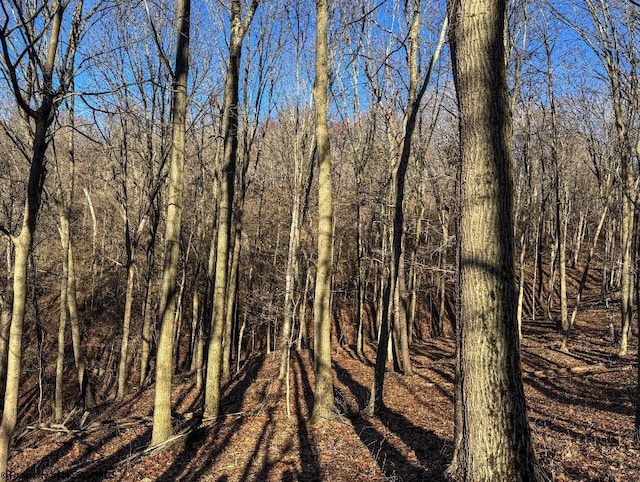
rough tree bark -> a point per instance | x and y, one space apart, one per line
323 401
496 437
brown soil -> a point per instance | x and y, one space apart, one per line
581 410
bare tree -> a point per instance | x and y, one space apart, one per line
610 33
43 71
395 321
239 27
162 427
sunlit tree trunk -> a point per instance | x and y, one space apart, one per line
438 331
636 424
291 274
239 28
232 292
86 392
303 332
496 437
126 322
521 282
560 191
629 197
323 402
147 310
162 426
361 283
68 292
62 323
6 300
42 117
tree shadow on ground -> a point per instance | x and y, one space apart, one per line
82 440
101 468
587 393
35 470
201 448
203 445
431 451
236 390
303 394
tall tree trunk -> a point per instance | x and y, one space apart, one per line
162 426
627 271
395 286
43 116
636 425
521 283
496 435
303 332
561 230
323 401
232 295
126 324
196 321
442 279
68 292
197 361
538 273
361 282
291 273
23 245
239 28
94 237
147 319
561 210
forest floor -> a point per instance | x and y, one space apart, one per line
581 408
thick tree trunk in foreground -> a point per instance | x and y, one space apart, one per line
496 437
323 402
162 427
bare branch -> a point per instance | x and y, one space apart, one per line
13 77
244 26
156 39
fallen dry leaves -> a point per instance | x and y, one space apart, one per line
582 422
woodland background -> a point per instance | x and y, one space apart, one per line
95 266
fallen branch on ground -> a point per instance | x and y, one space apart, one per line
580 370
